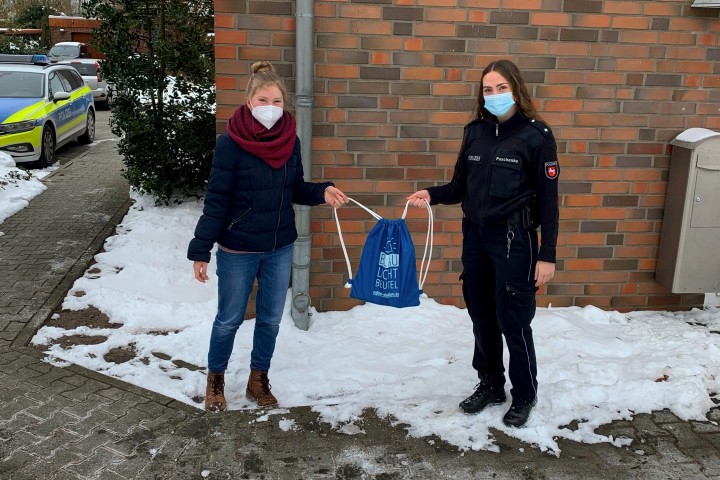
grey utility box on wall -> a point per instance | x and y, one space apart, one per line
689 255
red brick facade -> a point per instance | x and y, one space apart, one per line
396 80
73 29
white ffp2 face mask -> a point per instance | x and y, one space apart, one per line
268 115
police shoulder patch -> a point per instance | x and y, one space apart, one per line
551 170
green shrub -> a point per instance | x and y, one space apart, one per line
160 59
19 45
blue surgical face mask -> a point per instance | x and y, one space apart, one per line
499 104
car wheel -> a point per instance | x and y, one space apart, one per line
89 134
109 101
47 148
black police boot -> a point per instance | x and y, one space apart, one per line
483 396
519 413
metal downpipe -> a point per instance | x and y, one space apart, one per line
304 45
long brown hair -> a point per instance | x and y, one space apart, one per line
264 75
511 73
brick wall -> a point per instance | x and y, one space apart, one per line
396 80
73 29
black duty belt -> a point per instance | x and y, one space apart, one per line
515 217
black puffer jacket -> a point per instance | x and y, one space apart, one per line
248 204
503 167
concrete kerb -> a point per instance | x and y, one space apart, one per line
76 271
69 163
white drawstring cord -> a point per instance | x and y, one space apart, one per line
428 240
342 241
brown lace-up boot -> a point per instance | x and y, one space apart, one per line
215 392
258 389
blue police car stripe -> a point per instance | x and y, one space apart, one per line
62 115
9 106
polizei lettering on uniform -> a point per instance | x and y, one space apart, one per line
474 158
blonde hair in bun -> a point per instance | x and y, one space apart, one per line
264 75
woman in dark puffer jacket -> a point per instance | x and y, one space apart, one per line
256 176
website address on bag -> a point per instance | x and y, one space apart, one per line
385 295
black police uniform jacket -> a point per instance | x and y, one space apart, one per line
502 167
248 204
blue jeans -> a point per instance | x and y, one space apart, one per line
236 275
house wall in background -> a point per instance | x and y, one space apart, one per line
73 29
396 80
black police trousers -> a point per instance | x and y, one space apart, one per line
499 291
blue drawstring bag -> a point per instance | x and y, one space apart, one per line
387 274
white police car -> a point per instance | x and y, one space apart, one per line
42 107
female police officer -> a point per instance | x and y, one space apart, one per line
506 177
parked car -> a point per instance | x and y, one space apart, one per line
66 50
42 107
89 70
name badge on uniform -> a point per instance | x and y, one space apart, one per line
551 170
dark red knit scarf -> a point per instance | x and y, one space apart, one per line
274 146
